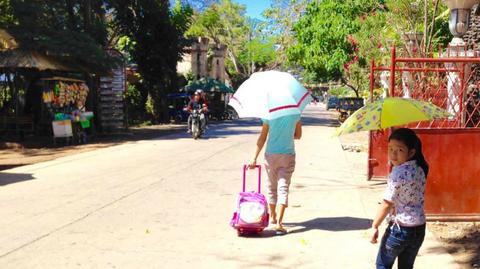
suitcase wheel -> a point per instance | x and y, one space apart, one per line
240 232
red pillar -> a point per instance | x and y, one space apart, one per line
392 71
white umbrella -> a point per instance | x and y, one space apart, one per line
270 95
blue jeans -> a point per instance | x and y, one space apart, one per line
401 242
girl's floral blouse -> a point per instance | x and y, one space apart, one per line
406 189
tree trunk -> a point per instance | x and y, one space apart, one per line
252 68
164 116
71 14
234 60
432 29
425 31
160 108
345 83
87 14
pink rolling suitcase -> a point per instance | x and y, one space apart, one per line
251 212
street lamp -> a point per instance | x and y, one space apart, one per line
459 18
412 39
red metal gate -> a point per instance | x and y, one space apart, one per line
451 146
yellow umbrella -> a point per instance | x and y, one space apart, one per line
390 112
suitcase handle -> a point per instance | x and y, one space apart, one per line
245 168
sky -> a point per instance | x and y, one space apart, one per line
255 8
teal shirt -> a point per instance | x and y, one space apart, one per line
281 133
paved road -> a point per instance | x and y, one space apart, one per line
166 203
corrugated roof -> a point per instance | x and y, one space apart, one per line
10 59
7 41
13 56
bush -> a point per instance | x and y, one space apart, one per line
135 102
377 94
149 106
342 92
5 95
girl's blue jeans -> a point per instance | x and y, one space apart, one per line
402 243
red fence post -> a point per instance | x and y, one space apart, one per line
462 88
392 71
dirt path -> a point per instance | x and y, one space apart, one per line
30 152
461 239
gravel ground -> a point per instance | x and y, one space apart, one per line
462 240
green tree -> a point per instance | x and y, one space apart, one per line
6 12
429 18
387 26
281 18
322 46
72 27
156 33
335 40
258 54
200 5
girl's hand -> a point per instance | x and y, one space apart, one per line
374 235
253 164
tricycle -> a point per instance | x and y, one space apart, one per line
176 104
347 106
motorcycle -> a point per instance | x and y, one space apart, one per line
197 128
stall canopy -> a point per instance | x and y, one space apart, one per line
7 41
13 57
16 58
208 85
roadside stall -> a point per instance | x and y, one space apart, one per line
40 96
217 94
44 93
64 100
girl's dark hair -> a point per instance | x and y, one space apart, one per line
411 140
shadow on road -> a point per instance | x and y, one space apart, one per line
324 119
466 244
240 123
9 166
215 133
267 233
335 224
225 132
10 178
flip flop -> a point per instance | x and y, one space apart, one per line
280 231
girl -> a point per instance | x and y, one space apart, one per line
279 162
403 202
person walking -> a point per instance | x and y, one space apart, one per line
279 162
403 202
